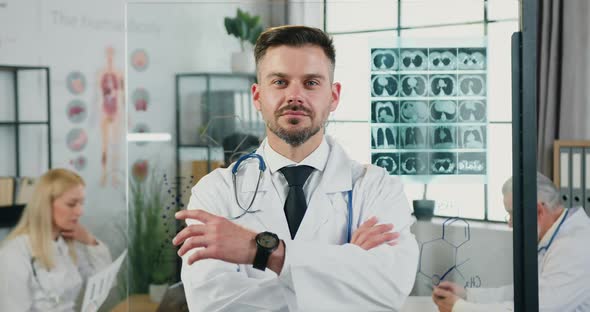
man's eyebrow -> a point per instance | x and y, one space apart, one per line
277 74
318 76
306 76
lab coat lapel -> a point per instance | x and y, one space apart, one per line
271 216
336 178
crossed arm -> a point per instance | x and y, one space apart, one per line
224 240
367 274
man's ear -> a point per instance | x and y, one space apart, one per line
335 96
255 89
540 210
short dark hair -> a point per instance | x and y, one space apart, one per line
294 36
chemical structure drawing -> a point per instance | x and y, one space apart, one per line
445 249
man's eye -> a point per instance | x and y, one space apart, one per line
279 82
312 83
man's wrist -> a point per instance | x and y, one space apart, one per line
277 258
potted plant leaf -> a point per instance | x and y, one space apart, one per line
246 28
151 255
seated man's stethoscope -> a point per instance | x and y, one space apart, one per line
262 167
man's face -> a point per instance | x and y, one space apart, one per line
294 92
508 207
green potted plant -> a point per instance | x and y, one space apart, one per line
151 225
246 28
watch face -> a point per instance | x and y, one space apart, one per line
267 240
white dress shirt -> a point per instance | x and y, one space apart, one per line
275 161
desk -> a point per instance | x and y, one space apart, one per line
419 303
136 303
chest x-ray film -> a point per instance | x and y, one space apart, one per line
429 109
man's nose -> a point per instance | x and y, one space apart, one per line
295 94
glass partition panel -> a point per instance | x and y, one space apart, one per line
422 91
425 94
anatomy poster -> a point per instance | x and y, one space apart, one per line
428 110
112 112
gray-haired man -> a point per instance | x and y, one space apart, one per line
564 278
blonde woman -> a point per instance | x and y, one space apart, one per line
44 260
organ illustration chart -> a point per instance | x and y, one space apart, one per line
429 111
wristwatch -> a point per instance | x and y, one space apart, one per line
266 243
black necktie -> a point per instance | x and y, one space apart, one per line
295 205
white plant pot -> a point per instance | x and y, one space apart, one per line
157 292
243 62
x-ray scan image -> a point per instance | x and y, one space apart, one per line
384 112
443 85
413 85
414 111
471 111
384 59
472 85
389 161
383 137
444 137
443 59
443 163
443 111
384 85
474 59
472 137
413 137
413 163
472 163
413 59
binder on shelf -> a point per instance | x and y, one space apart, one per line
565 176
577 198
587 182
24 190
6 191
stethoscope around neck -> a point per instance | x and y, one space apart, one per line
546 247
262 168
56 299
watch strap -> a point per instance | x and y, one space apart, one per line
261 258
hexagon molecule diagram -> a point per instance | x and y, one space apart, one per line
443 250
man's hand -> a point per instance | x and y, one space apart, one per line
454 288
369 235
220 238
446 294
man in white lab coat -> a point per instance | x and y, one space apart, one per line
293 254
563 259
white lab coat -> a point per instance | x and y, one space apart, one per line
564 274
321 272
21 290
